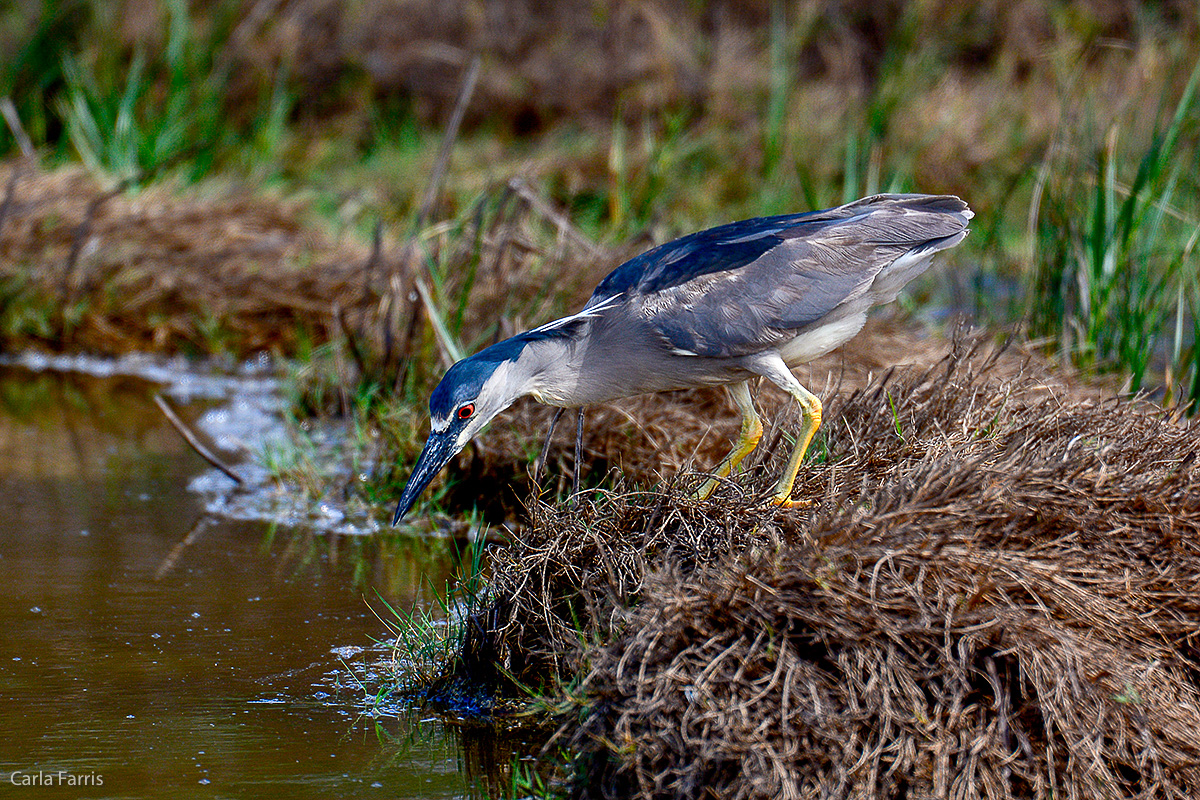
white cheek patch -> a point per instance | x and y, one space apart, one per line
439 425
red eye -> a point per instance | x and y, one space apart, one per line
466 411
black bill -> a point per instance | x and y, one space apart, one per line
439 449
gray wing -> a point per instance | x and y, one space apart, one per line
809 266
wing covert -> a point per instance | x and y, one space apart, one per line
760 305
742 287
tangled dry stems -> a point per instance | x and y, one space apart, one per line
993 595
157 271
164 270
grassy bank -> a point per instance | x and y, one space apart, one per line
989 597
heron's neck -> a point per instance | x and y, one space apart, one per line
547 371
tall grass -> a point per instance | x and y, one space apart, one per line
134 119
644 173
167 105
32 72
1113 277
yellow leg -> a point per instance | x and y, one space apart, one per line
747 440
770 364
811 407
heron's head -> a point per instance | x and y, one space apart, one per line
471 393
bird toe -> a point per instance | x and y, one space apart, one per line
787 502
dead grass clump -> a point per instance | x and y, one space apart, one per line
112 272
165 270
993 595
569 577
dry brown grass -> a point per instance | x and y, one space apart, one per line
997 600
155 270
222 269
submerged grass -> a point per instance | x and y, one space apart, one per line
428 641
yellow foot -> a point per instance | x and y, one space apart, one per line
787 502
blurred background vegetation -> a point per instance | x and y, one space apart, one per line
1071 127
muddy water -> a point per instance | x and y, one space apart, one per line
143 656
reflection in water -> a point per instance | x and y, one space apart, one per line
175 658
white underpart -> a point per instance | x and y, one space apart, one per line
890 281
818 342
896 275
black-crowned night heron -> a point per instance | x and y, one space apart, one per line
720 307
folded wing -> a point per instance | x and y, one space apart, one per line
744 287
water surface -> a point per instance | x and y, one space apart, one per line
169 653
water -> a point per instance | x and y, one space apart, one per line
165 658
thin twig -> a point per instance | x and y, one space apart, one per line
9 192
372 261
508 211
535 201
239 40
403 289
465 91
356 352
70 279
447 346
191 439
402 355
18 130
